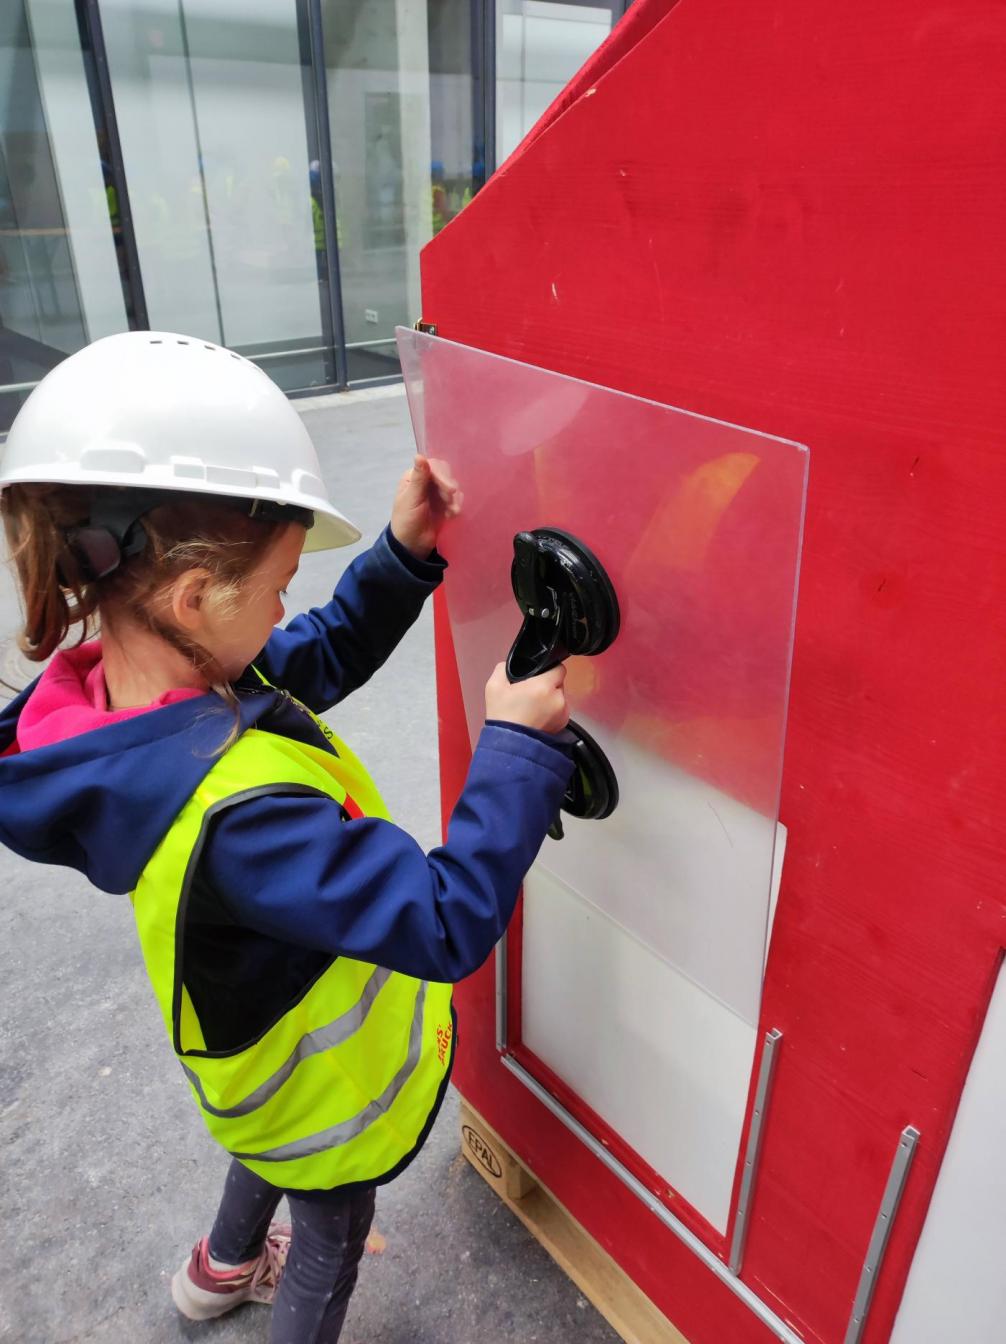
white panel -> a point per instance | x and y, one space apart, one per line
665 1065
702 895
662 1062
956 1290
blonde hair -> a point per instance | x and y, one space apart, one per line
59 593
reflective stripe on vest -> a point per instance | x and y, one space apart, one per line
310 1044
341 1086
356 1124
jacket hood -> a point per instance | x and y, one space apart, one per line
102 800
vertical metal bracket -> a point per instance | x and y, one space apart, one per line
501 995
766 1073
779 1328
881 1232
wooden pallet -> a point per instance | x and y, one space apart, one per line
627 1309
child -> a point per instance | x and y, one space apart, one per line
300 946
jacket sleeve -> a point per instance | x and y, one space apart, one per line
289 867
324 654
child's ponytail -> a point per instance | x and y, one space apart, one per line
54 592
185 532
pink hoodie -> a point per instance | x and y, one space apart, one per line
72 698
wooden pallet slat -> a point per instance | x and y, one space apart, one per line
623 1305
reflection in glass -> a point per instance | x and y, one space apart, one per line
210 100
218 107
540 45
457 166
400 105
59 281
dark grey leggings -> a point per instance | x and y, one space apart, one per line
328 1240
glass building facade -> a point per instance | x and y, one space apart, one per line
262 174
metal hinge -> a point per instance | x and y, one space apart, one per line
427 328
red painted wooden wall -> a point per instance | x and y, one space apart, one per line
792 216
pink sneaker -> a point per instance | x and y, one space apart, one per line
200 1293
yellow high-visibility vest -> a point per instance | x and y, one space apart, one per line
341 1087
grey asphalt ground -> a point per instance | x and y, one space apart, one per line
108 1176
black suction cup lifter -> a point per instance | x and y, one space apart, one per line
593 790
568 602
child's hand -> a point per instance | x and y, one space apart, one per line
427 496
539 702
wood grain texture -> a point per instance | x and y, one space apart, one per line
598 1277
791 217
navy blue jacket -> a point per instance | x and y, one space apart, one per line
284 883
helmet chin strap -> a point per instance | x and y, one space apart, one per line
113 532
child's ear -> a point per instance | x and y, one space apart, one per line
188 598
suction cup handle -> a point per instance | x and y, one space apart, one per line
569 607
533 594
537 646
567 601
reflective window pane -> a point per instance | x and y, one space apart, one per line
188 187
400 103
457 166
377 62
540 45
211 107
59 278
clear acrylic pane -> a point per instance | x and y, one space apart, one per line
698 524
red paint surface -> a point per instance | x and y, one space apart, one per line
791 217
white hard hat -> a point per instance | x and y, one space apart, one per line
154 410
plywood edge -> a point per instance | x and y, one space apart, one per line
620 1301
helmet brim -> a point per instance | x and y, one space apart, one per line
331 529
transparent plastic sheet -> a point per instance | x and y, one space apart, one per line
698 524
